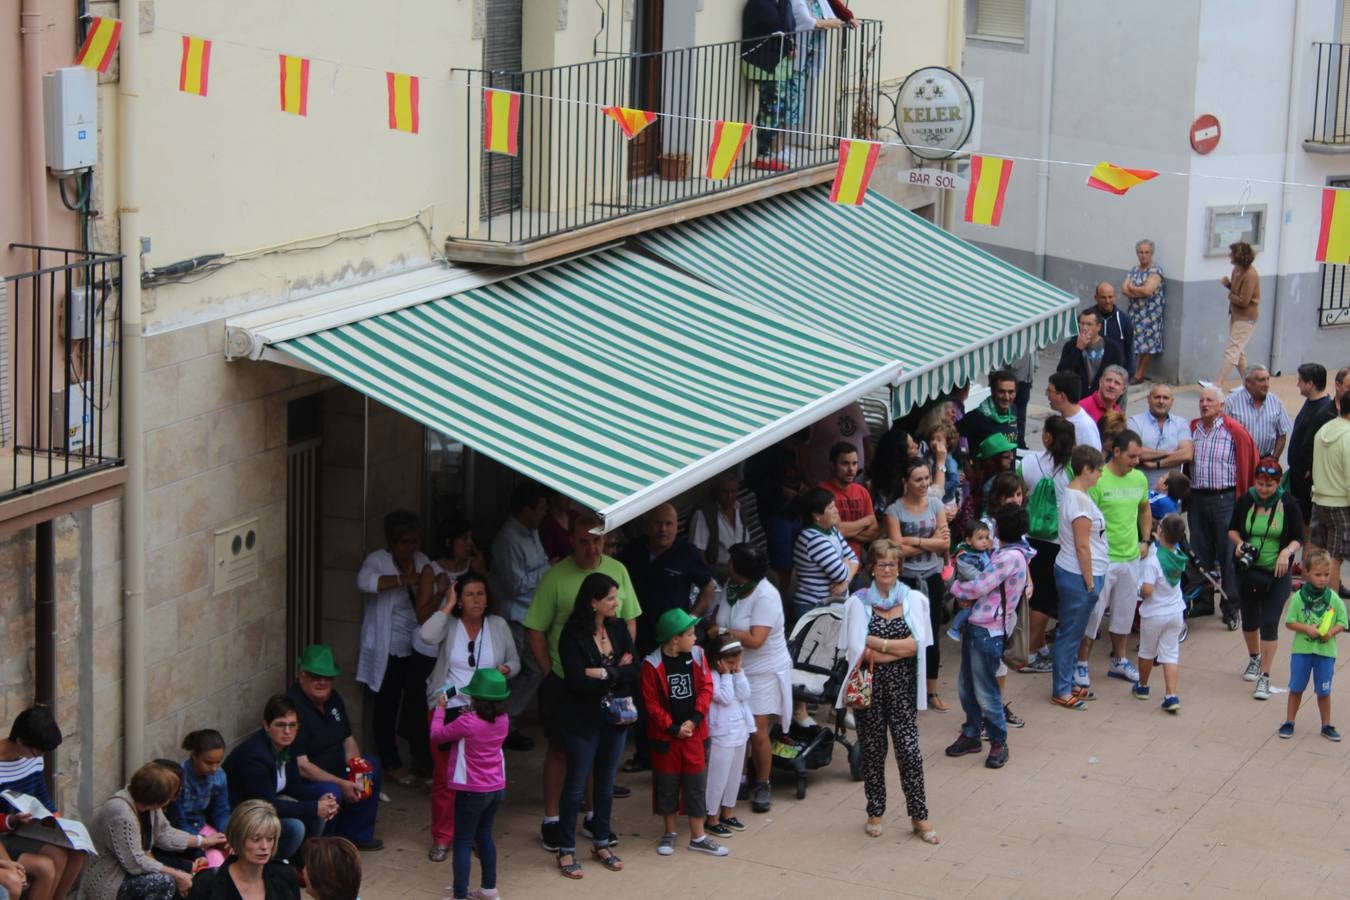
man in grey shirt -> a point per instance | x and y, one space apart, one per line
518 562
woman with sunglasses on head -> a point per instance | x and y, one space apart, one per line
1265 531
467 639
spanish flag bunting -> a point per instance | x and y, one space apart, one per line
195 67
99 44
630 120
728 139
1117 180
403 101
988 184
1333 242
856 161
501 122
294 84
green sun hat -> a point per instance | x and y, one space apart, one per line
318 660
994 445
487 684
673 622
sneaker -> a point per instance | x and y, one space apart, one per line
1230 621
963 745
667 845
733 823
707 845
483 894
1123 669
1171 703
718 830
1081 676
954 634
374 844
998 756
622 792
1253 671
1330 733
805 722
761 797
1038 664
1262 691
1286 730
1012 718
1140 691
550 835
587 833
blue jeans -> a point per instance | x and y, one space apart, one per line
978 685
474 814
598 752
1075 605
292 836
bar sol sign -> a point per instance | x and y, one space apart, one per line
934 112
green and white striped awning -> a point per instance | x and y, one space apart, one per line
946 310
611 377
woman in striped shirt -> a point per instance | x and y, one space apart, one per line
823 560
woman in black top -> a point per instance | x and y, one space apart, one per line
249 872
598 661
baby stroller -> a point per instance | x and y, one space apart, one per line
818 672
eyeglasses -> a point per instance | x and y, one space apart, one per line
285 726
473 664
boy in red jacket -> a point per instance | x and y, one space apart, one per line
677 689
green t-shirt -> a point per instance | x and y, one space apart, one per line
1119 499
1305 644
557 594
1264 527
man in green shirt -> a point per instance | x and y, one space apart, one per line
1122 495
552 603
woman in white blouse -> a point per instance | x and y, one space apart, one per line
467 639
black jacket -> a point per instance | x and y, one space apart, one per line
1313 415
1071 360
279 883
762 18
577 654
1116 324
251 771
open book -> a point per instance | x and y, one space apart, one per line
45 826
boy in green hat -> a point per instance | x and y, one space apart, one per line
677 689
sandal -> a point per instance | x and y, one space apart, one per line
927 835
1084 693
873 829
610 860
437 853
935 702
1070 702
570 870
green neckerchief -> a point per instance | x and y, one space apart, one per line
822 530
1172 562
1314 608
1003 418
736 591
282 757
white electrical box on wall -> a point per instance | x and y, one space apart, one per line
235 558
70 113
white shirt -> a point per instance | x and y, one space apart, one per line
388 620
728 534
458 670
762 606
1166 598
1165 435
1084 429
1078 505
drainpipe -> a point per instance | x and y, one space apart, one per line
955 44
133 419
1047 110
1283 276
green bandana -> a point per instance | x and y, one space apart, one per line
1315 606
1172 562
735 591
1003 418
282 757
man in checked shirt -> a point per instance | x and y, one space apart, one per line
1222 468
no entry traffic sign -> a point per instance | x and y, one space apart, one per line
1205 133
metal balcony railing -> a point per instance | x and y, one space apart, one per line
575 168
1331 95
59 411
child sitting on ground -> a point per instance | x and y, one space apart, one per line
971 559
204 800
1162 613
1316 616
476 771
677 689
730 724
1169 496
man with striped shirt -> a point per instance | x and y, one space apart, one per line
1222 467
1260 412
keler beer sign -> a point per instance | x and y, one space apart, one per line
934 112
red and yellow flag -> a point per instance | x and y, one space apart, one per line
1117 180
988 184
728 139
403 101
856 161
294 84
630 120
501 122
1333 242
195 67
99 44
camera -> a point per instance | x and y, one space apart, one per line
1245 556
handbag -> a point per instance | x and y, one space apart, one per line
858 688
619 710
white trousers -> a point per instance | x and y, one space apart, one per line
724 776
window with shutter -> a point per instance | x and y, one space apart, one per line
1001 20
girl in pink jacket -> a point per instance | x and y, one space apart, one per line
476 772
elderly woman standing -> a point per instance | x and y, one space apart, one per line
467 639
126 828
886 628
1244 300
752 612
389 578
1143 284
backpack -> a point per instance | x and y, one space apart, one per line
1043 509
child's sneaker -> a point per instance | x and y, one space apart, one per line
719 830
733 823
954 634
667 845
1140 691
1171 703
1011 718
1262 691
1253 671
1039 663
1286 730
1081 676
1123 669
1330 733
707 845
550 835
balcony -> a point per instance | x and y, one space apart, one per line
577 182
60 423
1331 100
